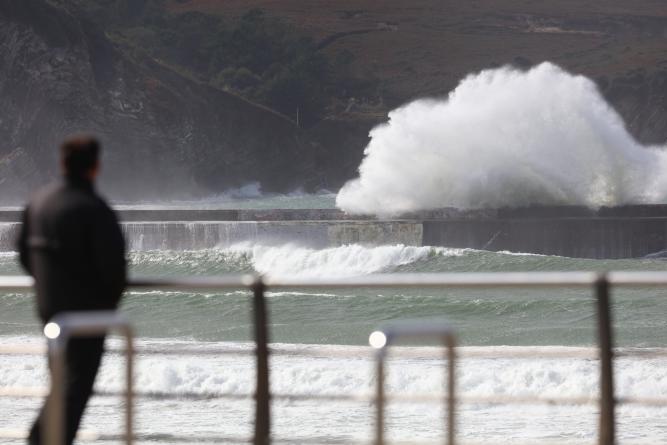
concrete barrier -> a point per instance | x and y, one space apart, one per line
618 232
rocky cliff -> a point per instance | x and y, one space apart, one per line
164 134
423 48
167 135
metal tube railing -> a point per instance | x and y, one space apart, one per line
607 419
262 390
601 283
463 280
440 280
59 331
418 329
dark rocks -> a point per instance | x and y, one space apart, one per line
164 134
640 97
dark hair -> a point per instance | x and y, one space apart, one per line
79 155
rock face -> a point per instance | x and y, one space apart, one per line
164 135
641 98
167 136
424 47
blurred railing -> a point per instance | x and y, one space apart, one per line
599 283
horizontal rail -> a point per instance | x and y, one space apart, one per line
481 280
468 280
90 435
534 352
652 353
36 392
187 283
463 352
637 279
477 280
16 283
27 392
471 280
19 349
362 352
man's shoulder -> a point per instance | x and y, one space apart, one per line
46 191
44 195
95 206
103 207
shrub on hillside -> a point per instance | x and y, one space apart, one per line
261 58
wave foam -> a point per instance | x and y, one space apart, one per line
348 260
349 370
506 137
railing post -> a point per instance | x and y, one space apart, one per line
59 331
381 340
605 342
379 400
450 344
262 391
53 425
129 378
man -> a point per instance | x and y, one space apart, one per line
71 243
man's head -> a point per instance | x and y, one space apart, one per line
80 157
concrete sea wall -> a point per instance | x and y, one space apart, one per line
619 232
601 238
192 235
314 234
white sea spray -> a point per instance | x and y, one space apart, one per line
506 137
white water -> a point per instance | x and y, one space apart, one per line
349 370
343 261
8 233
289 260
506 137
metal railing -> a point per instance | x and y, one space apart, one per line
416 330
59 331
599 283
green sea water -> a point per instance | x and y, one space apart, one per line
481 317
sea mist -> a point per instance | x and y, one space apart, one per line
506 137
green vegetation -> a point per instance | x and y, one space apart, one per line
260 58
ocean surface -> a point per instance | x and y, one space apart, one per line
332 327
249 196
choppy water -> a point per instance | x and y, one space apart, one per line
482 317
249 196
489 320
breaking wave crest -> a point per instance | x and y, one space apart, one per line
287 260
506 137
348 260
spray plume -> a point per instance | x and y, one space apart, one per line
506 137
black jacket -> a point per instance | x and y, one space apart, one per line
71 243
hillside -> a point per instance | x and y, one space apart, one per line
165 134
424 47
192 97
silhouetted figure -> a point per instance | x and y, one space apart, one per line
71 243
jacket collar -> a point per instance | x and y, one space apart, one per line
79 183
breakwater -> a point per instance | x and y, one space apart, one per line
618 232
186 235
